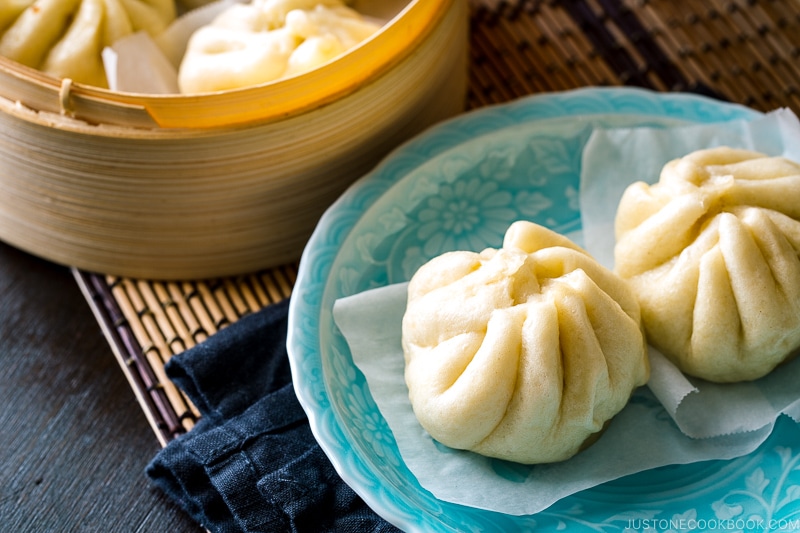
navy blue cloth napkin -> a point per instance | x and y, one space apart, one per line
251 464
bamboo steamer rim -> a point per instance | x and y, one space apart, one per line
263 103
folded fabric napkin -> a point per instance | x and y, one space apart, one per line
251 464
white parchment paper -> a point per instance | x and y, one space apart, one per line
641 437
645 434
135 64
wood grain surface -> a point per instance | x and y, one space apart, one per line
73 440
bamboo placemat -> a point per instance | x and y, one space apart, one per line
744 51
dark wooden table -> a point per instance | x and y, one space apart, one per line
74 442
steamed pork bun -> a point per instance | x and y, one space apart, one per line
522 353
713 253
266 40
65 38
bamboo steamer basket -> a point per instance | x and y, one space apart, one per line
200 186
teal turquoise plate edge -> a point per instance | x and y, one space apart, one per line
760 491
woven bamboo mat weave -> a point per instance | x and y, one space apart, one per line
744 51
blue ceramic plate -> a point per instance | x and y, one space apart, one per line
458 186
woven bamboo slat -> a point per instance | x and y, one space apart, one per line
744 51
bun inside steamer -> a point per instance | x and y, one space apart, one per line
266 40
